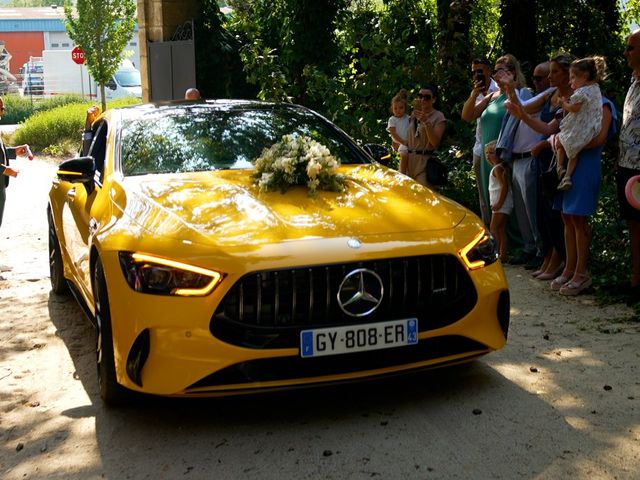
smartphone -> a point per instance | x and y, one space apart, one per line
417 105
479 77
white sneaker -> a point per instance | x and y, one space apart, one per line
5 268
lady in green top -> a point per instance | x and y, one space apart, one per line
491 109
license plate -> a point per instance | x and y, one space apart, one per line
358 338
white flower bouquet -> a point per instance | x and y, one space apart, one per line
297 160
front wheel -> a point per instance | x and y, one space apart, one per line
111 392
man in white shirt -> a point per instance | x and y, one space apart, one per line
628 164
525 181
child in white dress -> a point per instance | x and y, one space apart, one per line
583 115
398 127
500 197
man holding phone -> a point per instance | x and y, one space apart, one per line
481 70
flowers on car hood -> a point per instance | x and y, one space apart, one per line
227 207
297 160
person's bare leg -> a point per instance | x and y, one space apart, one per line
498 228
571 254
583 243
560 157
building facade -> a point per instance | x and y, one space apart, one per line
27 32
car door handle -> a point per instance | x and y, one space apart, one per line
71 194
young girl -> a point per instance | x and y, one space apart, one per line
398 127
583 115
500 197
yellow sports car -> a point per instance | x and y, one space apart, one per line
209 269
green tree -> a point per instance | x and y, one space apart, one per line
219 69
454 22
284 38
630 15
518 24
102 28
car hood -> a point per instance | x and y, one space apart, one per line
225 207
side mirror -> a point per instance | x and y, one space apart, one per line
78 170
377 152
111 85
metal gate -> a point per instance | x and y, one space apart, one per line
172 65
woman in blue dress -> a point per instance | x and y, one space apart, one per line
579 203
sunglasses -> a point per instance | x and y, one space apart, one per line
538 78
628 48
500 69
478 72
425 96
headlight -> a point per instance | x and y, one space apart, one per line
480 252
160 276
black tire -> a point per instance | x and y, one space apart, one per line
59 284
111 392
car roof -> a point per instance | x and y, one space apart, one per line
133 111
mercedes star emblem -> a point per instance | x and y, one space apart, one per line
360 292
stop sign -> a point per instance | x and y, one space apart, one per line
77 55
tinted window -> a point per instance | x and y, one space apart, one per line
200 137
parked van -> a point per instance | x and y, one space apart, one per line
125 83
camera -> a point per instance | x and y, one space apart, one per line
479 77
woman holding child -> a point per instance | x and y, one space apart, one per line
550 224
580 201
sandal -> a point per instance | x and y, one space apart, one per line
538 272
559 282
565 183
574 288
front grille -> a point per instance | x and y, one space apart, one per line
292 368
268 309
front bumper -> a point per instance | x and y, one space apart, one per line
163 345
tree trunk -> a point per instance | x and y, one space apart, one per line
518 25
104 98
454 20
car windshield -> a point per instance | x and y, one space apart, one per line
202 137
128 78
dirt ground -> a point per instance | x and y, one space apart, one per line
561 399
